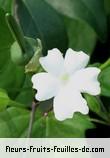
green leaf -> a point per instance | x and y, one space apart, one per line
6 5
81 36
97 106
4 99
104 79
11 126
11 76
88 10
107 6
5 40
50 127
13 123
11 79
93 103
26 94
43 22
34 65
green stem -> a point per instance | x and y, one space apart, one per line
16 32
106 64
99 121
32 117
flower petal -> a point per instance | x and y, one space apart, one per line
86 80
53 62
75 60
67 102
46 85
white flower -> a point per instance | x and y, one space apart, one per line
65 80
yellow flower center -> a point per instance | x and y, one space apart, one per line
65 78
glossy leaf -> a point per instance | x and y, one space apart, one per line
81 36
88 10
105 81
43 22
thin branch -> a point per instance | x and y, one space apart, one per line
99 121
32 117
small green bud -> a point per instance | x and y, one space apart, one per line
16 54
